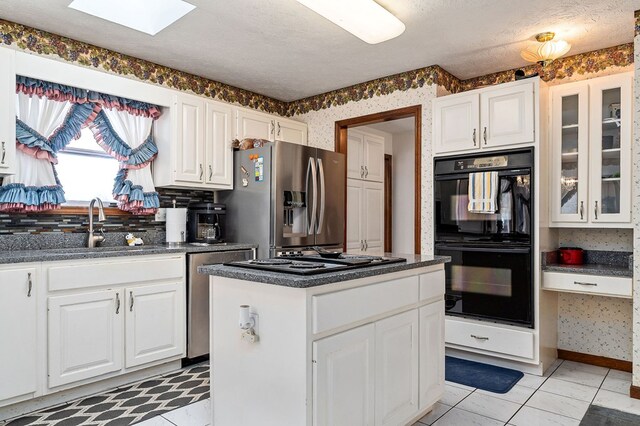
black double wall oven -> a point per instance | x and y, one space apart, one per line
490 276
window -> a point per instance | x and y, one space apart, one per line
86 171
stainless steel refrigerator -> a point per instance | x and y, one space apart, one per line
286 197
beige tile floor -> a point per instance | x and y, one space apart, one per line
560 398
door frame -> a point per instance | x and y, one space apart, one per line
388 203
415 111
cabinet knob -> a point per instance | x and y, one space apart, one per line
474 137
201 172
273 127
117 303
210 172
4 153
30 284
581 210
361 171
595 210
278 128
131 301
484 135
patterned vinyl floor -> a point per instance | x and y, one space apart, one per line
128 404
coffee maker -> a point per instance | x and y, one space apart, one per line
205 223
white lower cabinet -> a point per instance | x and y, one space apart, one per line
18 332
343 378
154 326
85 335
431 356
397 362
365 216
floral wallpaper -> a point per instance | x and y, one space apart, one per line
44 43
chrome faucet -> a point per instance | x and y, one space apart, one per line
92 240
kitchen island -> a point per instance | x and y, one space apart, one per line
356 347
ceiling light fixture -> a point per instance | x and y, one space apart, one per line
547 51
365 19
149 17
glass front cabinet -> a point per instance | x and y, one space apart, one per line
591 153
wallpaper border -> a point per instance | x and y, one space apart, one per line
45 43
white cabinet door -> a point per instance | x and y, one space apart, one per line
506 116
397 368
373 155
355 240
373 217
291 131
570 153
190 139
355 161
85 335
431 353
7 111
455 123
18 334
610 149
218 135
155 324
255 125
343 378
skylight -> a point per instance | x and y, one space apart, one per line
147 16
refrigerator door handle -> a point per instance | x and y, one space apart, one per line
311 168
322 196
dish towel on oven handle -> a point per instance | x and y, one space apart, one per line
483 192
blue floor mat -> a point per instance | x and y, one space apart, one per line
482 376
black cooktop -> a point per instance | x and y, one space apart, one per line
312 265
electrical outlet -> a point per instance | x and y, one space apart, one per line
250 336
161 215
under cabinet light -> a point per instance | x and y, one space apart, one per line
365 19
147 16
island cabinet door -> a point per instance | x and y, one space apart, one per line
431 354
396 369
155 325
343 378
85 335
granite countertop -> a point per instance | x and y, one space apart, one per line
596 262
49 255
301 281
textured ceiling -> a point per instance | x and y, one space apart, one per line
281 49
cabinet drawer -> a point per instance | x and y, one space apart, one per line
116 271
432 285
589 284
348 306
490 338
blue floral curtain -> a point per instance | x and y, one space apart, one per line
49 116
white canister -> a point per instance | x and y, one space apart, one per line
176 226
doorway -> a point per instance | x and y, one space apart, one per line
402 204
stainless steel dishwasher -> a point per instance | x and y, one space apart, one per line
198 297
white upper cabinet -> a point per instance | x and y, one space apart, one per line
258 125
456 123
18 333
7 112
591 153
365 156
487 118
194 144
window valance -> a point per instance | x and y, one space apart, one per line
50 115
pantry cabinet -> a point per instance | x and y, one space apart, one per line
194 145
258 125
7 112
365 216
365 156
591 153
18 332
500 116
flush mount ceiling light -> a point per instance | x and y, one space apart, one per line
147 16
365 19
547 51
